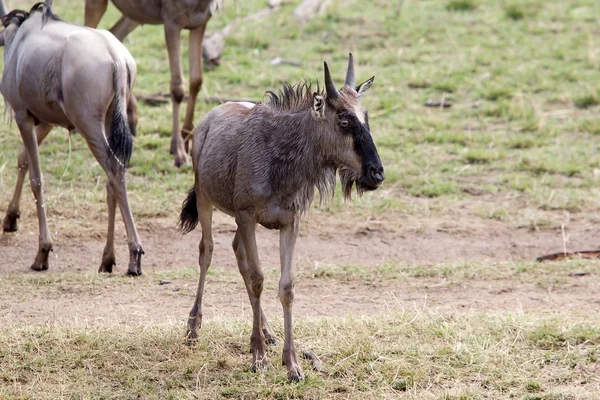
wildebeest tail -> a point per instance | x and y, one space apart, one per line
120 139
188 219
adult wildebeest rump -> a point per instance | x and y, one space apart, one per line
57 73
175 15
261 164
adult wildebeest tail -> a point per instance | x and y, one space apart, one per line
188 219
120 140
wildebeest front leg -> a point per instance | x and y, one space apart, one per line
108 256
172 36
195 56
10 223
247 229
287 244
205 210
240 255
26 127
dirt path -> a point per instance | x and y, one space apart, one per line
78 249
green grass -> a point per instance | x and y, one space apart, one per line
504 97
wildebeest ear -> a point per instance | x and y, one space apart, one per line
318 106
363 87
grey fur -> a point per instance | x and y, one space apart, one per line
261 165
61 74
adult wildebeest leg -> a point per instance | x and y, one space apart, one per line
116 179
205 210
123 27
12 213
108 256
195 50
26 127
287 244
172 35
240 255
94 10
247 230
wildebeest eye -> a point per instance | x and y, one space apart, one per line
344 122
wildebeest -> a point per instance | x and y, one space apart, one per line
57 73
261 164
175 15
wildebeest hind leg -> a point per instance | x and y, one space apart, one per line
10 223
205 209
108 256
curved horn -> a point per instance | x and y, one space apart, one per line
332 92
350 72
3 10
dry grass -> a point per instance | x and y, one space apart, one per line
414 354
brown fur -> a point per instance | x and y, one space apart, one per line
175 15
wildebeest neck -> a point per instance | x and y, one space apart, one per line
299 162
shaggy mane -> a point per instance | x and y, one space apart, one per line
292 97
22 15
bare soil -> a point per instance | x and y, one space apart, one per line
78 250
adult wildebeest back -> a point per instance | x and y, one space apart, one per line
175 15
57 73
261 164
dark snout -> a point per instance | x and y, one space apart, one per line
372 177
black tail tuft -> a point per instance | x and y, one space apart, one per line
120 140
188 219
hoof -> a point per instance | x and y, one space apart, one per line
316 361
191 337
107 266
42 267
270 340
10 223
181 161
135 262
295 374
41 260
260 366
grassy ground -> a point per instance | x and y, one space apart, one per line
519 145
415 354
520 75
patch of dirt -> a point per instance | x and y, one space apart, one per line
78 250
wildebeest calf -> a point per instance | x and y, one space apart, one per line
261 164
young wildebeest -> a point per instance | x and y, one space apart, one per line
260 164
56 73
175 15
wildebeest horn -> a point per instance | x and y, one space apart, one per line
350 72
332 92
3 12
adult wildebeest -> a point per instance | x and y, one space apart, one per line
175 15
57 73
261 164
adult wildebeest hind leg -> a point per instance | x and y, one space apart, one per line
261 164
56 73
175 15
